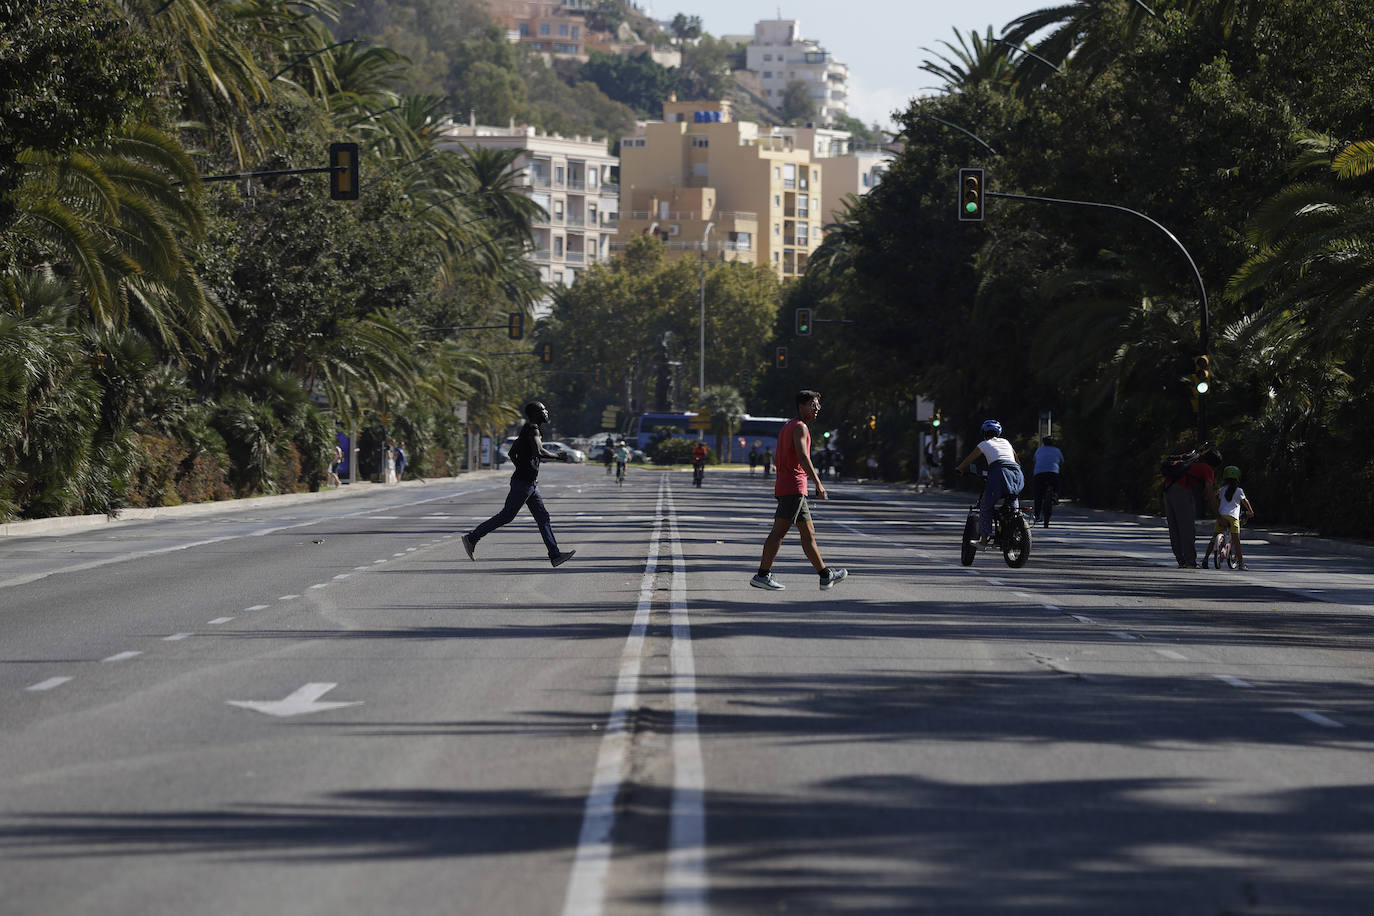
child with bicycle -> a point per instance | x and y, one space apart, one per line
1231 504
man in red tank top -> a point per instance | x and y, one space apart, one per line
794 471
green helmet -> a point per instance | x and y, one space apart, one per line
1230 472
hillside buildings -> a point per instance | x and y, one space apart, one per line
779 55
715 187
572 178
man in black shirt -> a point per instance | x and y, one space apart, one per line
525 454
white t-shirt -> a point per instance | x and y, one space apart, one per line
997 449
1230 506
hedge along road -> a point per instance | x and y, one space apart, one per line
639 730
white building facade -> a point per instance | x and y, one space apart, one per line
575 181
781 56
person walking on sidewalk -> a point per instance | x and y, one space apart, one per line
794 470
525 453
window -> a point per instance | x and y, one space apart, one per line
591 214
768 74
558 175
768 92
593 177
558 276
558 210
543 28
801 235
768 57
701 170
563 29
700 143
558 250
576 31
524 30
802 206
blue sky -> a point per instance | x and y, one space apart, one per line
880 40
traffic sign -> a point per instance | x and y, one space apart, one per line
702 420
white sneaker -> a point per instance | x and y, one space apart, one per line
835 575
766 582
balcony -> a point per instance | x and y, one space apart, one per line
539 180
540 254
576 257
577 184
576 220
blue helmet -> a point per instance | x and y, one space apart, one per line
992 427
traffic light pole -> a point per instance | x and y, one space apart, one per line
1204 333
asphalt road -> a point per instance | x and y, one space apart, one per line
325 708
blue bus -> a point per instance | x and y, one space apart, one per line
646 423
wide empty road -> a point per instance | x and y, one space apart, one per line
326 708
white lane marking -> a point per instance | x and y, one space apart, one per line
287 597
1232 681
375 562
219 620
586 895
49 684
1122 634
685 880
358 568
1050 607
342 576
1170 653
410 550
996 582
261 532
1318 719
1024 595
382 518
320 585
1081 619
256 607
122 656
398 554
176 637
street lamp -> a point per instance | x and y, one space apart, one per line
701 367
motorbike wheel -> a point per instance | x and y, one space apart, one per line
969 548
1016 542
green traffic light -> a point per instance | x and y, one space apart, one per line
971 207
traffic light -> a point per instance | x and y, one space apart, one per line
515 326
1202 375
826 435
343 171
782 358
872 422
971 195
546 353
803 322
935 420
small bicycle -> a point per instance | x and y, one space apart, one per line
1011 532
620 473
1225 551
698 472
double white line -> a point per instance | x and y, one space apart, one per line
685 881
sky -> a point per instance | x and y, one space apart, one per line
880 40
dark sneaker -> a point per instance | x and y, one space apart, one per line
766 582
470 546
832 576
562 558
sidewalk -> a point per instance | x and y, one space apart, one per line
360 490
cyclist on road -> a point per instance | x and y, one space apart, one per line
1048 462
1231 505
698 462
622 456
1004 475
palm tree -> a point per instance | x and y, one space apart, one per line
113 221
979 61
1315 243
1082 29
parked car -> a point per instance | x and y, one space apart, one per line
575 455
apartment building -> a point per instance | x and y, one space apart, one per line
709 185
555 28
572 178
779 55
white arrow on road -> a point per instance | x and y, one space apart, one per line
305 700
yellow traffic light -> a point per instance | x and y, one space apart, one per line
515 326
343 171
781 358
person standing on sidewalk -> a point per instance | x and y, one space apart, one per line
525 454
794 470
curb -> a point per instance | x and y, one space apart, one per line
68 524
